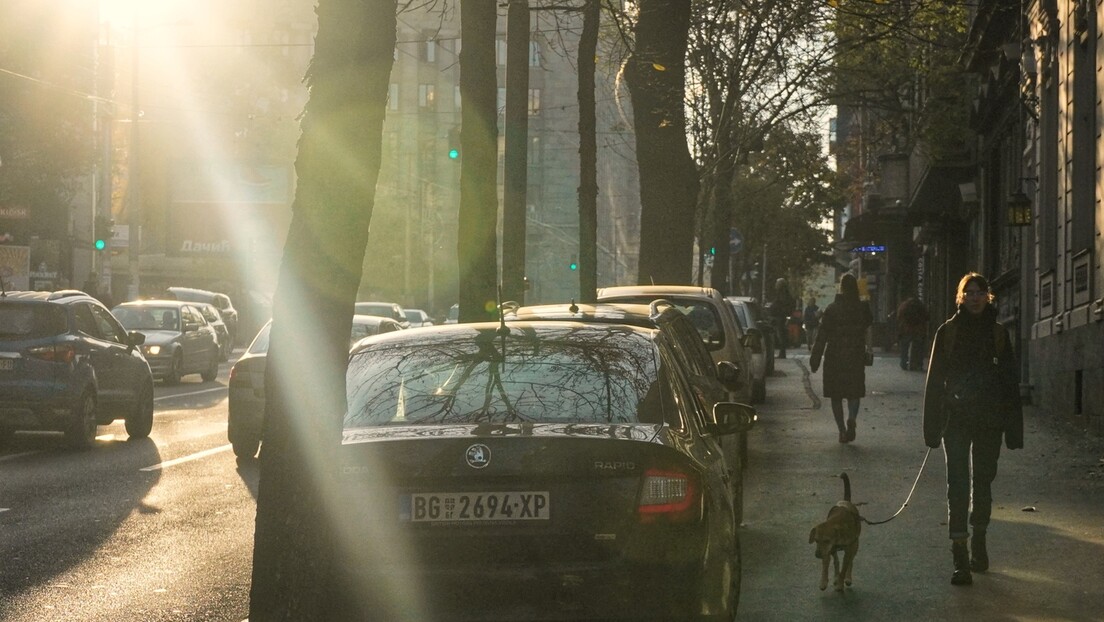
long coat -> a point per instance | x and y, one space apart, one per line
977 342
841 341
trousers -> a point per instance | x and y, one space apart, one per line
971 453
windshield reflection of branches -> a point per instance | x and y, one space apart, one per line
600 377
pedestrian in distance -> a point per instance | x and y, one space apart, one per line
841 342
971 401
810 319
782 305
912 331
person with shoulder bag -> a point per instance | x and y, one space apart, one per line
972 402
841 341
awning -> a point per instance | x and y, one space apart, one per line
941 194
874 227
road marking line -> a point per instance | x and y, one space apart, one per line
195 456
4 509
19 455
189 394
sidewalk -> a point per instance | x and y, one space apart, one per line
1046 541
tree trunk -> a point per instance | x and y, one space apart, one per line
588 156
722 216
477 236
295 557
515 173
655 75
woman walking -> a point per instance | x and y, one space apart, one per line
971 400
841 341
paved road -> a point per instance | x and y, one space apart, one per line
154 530
1047 563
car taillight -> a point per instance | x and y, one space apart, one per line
668 496
239 378
55 353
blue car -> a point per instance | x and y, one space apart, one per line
67 365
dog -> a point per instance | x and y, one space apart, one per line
839 532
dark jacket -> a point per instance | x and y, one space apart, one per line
841 340
978 358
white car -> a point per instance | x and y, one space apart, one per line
712 316
417 318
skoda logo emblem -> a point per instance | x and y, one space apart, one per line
478 456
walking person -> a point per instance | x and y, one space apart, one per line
782 305
912 330
971 400
810 319
841 341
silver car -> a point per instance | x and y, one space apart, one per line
745 315
179 341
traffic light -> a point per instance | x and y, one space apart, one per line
454 143
104 227
712 250
574 265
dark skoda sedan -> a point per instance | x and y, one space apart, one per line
536 470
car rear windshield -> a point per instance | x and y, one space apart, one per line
378 310
472 377
31 321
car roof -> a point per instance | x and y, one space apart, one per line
646 316
690 291
157 302
56 296
523 329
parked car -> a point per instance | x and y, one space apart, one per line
68 365
745 315
766 327
211 314
505 459
711 315
179 341
710 381
247 396
383 309
417 318
221 302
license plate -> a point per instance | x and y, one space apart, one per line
436 507
7 364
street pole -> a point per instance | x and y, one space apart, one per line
133 162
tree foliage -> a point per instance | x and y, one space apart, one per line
47 92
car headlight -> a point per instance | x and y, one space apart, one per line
153 350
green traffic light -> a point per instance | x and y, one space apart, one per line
712 250
100 245
573 266
454 154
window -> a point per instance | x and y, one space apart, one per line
534 102
109 327
500 51
456 97
426 95
500 103
393 96
534 150
534 54
85 322
429 51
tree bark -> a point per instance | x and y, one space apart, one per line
295 560
477 246
588 156
655 74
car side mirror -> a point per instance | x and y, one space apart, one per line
729 374
732 418
135 338
190 326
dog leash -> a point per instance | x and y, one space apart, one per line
907 499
